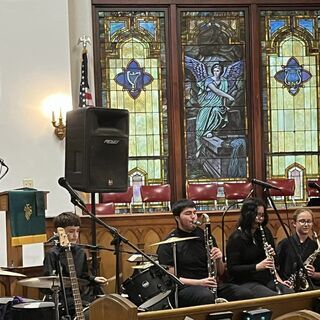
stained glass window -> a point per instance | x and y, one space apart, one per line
215 104
133 73
290 58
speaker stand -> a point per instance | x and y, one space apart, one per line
94 236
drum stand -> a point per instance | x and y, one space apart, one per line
55 290
176 286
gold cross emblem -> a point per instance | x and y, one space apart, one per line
27 211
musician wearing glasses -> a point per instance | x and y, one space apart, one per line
251 255
299 270
198 260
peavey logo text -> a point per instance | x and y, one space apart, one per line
111 141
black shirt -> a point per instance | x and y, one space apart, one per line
244 253
191 254
289 262
50 267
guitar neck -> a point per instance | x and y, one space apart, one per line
75 286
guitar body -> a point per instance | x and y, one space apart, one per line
65 243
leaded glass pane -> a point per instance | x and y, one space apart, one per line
290 58
133 62
213 55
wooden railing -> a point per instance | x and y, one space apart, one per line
116 307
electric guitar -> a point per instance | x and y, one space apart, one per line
65 243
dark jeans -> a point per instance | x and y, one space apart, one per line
198 295
259 290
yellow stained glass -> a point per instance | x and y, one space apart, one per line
292 117
119 48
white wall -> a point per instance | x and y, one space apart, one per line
38 58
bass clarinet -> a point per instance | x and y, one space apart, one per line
273 270
211 263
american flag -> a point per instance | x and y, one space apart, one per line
85 97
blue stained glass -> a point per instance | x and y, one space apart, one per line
275 25
150 26
307 24
116 26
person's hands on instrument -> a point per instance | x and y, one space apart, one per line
102 280
216 253
267 263
208 282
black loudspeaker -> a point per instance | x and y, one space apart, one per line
97 149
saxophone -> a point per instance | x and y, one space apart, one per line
211 263
273 270
304 284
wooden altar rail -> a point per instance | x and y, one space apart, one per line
115 307
145 229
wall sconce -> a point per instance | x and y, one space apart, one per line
60 127
57 105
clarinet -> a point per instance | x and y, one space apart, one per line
273 270
211 263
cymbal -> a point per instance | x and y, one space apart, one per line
48 282
172 240
10 273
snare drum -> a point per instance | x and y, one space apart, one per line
33 310
148 287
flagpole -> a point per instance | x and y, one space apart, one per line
85 100
85 97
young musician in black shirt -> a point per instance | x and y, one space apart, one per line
250 252
71 224
308 254
192 263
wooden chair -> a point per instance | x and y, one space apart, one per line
102 208
286 186
156 193
118 197
200 192
313 192
237 190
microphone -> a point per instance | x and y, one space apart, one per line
74 197
264 184
313 185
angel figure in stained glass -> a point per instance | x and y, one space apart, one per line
213 92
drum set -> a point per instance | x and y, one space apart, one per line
17 308
149 287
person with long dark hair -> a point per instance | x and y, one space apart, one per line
251 254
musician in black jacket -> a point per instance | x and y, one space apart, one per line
192 262
250 259
290 264
71 224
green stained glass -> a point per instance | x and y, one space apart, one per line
137 37
213 43
292 117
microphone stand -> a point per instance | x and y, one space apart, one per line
76 201
299 259
222 220
222 227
